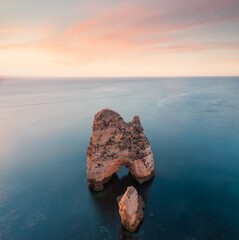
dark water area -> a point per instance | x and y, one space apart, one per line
193 127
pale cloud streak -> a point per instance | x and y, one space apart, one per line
135 33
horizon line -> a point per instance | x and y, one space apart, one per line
90 77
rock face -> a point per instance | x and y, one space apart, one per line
115 143
131 209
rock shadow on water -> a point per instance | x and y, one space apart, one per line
107 207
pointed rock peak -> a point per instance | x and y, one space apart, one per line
136 120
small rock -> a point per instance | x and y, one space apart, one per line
131 207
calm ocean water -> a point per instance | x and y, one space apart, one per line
193 127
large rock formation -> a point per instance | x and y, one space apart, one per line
131 207
115 143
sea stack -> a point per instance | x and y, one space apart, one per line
131 207
115 143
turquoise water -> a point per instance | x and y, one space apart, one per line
193 127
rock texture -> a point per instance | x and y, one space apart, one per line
115 143
131 207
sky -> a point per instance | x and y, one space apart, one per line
88 38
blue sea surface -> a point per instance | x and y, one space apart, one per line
193 127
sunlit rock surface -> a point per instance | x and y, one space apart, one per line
115 143
131 207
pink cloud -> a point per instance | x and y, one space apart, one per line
131 28
134 28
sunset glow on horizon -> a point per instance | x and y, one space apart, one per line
119 38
